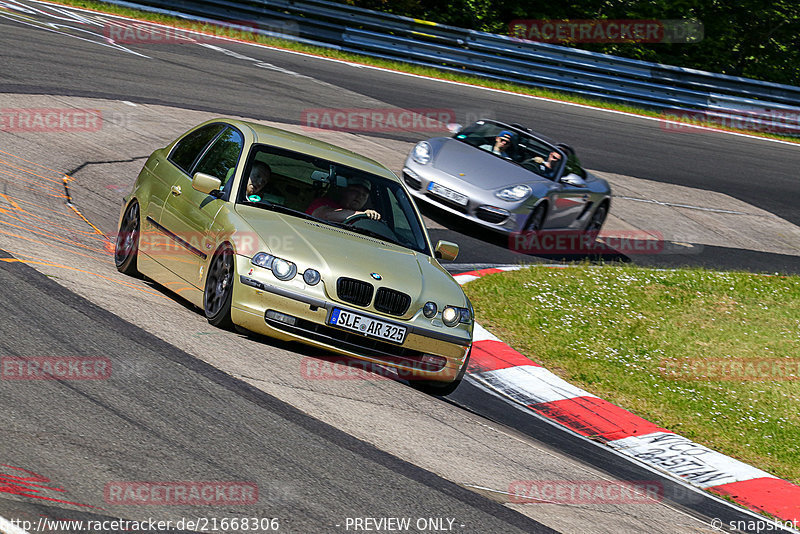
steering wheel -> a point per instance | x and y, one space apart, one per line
354 218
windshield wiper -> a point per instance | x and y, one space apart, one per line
283 209
369 233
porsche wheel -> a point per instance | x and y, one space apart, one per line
536 220
598 218
218 291
126 246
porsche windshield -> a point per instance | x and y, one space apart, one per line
311 187
517 147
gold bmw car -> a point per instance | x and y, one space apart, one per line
300 240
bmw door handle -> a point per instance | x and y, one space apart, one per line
176 190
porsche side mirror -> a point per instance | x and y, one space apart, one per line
205 183
446 250
574 180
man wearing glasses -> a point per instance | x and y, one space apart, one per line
502 144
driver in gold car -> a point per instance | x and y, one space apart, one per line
351 201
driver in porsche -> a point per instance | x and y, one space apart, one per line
351 201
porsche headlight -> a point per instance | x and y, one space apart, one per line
422 153
515 193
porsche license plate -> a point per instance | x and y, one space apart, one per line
449 194
367 326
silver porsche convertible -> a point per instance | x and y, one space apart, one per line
508 179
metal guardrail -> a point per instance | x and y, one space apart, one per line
651 85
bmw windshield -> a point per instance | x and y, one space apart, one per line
311 187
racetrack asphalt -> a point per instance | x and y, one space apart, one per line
184 420
261 83
194 90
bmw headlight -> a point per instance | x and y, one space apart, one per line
311 277
262 259
430 309
450 315
514 194
466 316
422 153
282 269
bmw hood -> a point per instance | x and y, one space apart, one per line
478 167
337 252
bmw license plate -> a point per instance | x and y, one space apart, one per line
449 194
367 326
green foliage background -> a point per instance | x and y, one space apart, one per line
752 38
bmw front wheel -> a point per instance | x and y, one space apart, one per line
218 292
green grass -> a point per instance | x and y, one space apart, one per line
397 65
635 336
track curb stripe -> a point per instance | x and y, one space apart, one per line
506 371
529 384
695 463
596 418
774 495
493 355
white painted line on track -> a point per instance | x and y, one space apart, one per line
21 15
7 527
531 384
682 457
687 206
459 84
692 492
479 333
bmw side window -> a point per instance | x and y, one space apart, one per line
188 149
221 158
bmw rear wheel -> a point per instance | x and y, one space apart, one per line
218 292
126 246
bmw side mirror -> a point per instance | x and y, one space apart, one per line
446 250
205 183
